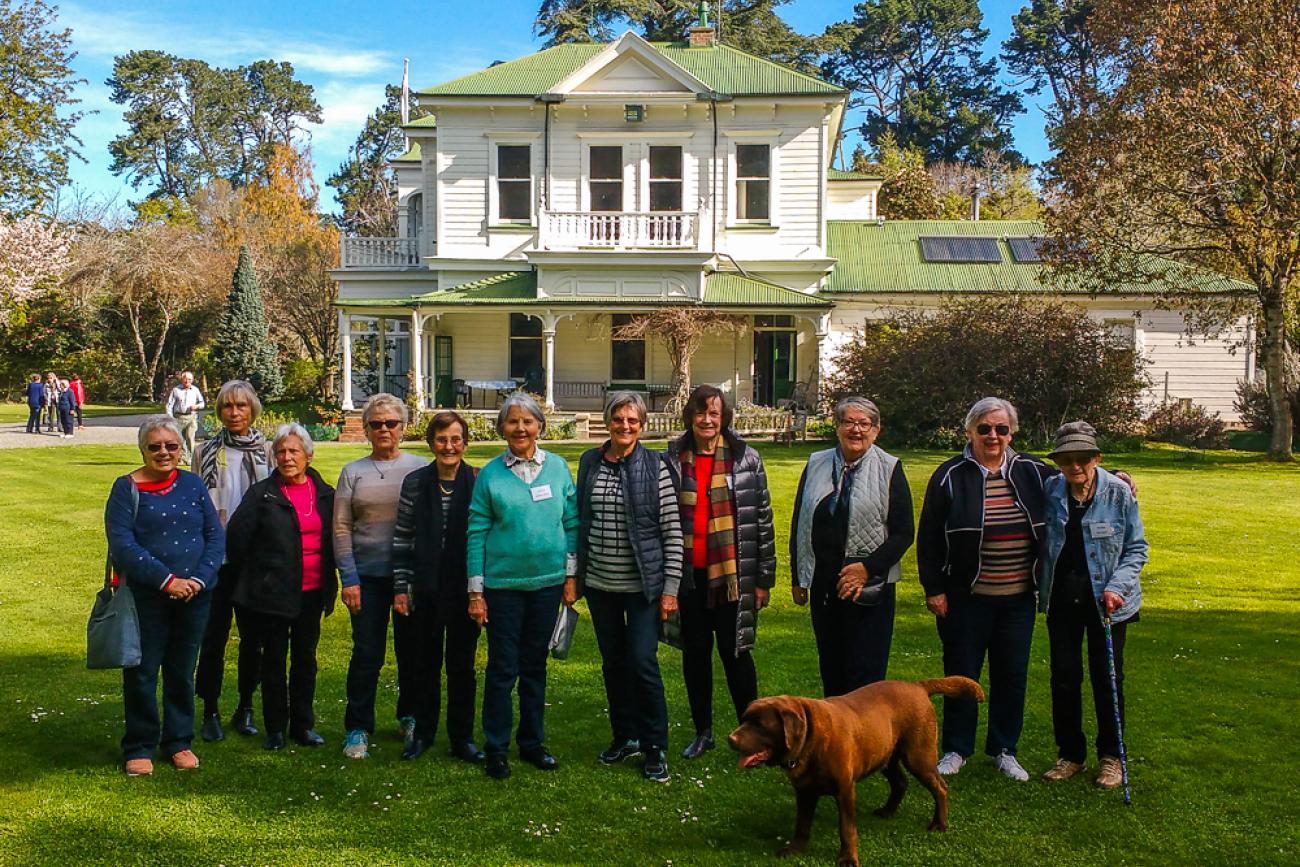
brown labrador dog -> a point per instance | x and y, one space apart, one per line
827 745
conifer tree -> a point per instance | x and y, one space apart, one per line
243 347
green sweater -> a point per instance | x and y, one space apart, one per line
519 537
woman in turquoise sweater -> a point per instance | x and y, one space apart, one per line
522 558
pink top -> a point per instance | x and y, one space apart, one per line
303 497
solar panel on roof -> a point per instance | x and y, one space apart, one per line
955 249
1026 249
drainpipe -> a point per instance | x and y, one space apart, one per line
713 98
547 100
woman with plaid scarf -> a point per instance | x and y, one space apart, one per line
730 547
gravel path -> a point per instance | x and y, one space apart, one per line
106 430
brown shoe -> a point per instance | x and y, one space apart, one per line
1063 770
139 767
185 760
1111 774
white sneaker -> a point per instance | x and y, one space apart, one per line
1007 764
950 764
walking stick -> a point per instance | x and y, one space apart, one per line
1119 725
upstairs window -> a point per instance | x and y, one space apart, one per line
665 178
514 183
606 180
753 182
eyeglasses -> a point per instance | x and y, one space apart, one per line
985 429
172 448
857 425
382 423
634 421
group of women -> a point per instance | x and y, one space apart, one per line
678 546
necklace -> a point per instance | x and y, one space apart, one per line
376 466
446 491
1086 494
311 500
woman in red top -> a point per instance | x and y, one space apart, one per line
281 547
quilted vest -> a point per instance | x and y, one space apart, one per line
869 506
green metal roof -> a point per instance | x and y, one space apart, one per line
842 175
723 68
411 156
728 289
885 257
429 121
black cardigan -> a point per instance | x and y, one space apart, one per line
425 561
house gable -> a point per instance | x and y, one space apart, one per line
630 65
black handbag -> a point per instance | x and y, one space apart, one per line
113 630
670 630
872 591
566 623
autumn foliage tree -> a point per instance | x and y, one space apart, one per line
683 330
1188 147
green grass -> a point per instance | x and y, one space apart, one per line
1213 681
17 412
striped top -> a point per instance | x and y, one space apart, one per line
1007 552
611 564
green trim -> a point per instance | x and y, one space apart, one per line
752 227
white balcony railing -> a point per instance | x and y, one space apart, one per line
380 252
661 230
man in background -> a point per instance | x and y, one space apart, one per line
184 405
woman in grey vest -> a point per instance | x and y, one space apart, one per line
852 523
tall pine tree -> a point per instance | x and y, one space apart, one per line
243 347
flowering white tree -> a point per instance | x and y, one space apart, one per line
33 254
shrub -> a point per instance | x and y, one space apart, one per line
924 369
109 376
1256 412
1186 425
270 420
302 378
324 433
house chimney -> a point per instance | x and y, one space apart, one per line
703 34
975 201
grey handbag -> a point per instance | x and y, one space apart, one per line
566 623
113 631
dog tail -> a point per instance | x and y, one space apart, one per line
953 687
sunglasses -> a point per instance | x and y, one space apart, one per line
172 448
380 424
985 429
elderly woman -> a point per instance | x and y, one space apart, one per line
1096 548
630 569
851 525
365 516
523 534
165 542
230 462
978 546
730 547
429 587
280 545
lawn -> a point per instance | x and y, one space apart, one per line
1214 685
17 412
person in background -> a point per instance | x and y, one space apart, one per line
365 516
852 523
184 404
280 544
79 389
68 408
50 401
630 569
730 549
429 587
1096 548
230 462
165 541
522 562
35 400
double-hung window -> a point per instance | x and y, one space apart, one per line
665 177
753 183
514 183
605 183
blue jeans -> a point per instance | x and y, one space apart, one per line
627 631
170 634
519 628
1003 628
369 644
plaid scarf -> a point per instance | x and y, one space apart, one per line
721 539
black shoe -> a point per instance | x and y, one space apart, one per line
497 767
212 728
702 744
468 751
541 759
308 738
274 741
655 768
415 748
242 722
620 750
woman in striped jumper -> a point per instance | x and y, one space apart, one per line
630 568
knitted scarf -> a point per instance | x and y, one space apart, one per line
721 539
214 457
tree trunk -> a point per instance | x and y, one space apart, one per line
133 316
1274 352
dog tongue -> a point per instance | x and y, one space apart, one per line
754 760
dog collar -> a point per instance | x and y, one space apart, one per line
790 765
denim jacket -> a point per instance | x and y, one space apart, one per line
1113 539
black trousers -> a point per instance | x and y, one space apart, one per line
212 655
852 640
701 626
438 631
1070 627
627 631
289 703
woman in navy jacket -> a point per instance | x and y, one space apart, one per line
35 399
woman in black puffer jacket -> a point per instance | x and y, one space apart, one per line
730 552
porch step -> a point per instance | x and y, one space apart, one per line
353 431
596 429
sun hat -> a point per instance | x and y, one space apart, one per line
1075 436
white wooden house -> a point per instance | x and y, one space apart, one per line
550 197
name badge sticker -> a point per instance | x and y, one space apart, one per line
1101 531
541 492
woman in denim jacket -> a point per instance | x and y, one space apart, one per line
1095 552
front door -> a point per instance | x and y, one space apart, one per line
443 394
773 366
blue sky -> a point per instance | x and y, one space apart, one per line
348 51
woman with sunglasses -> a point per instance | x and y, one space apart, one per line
365 516
166 542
